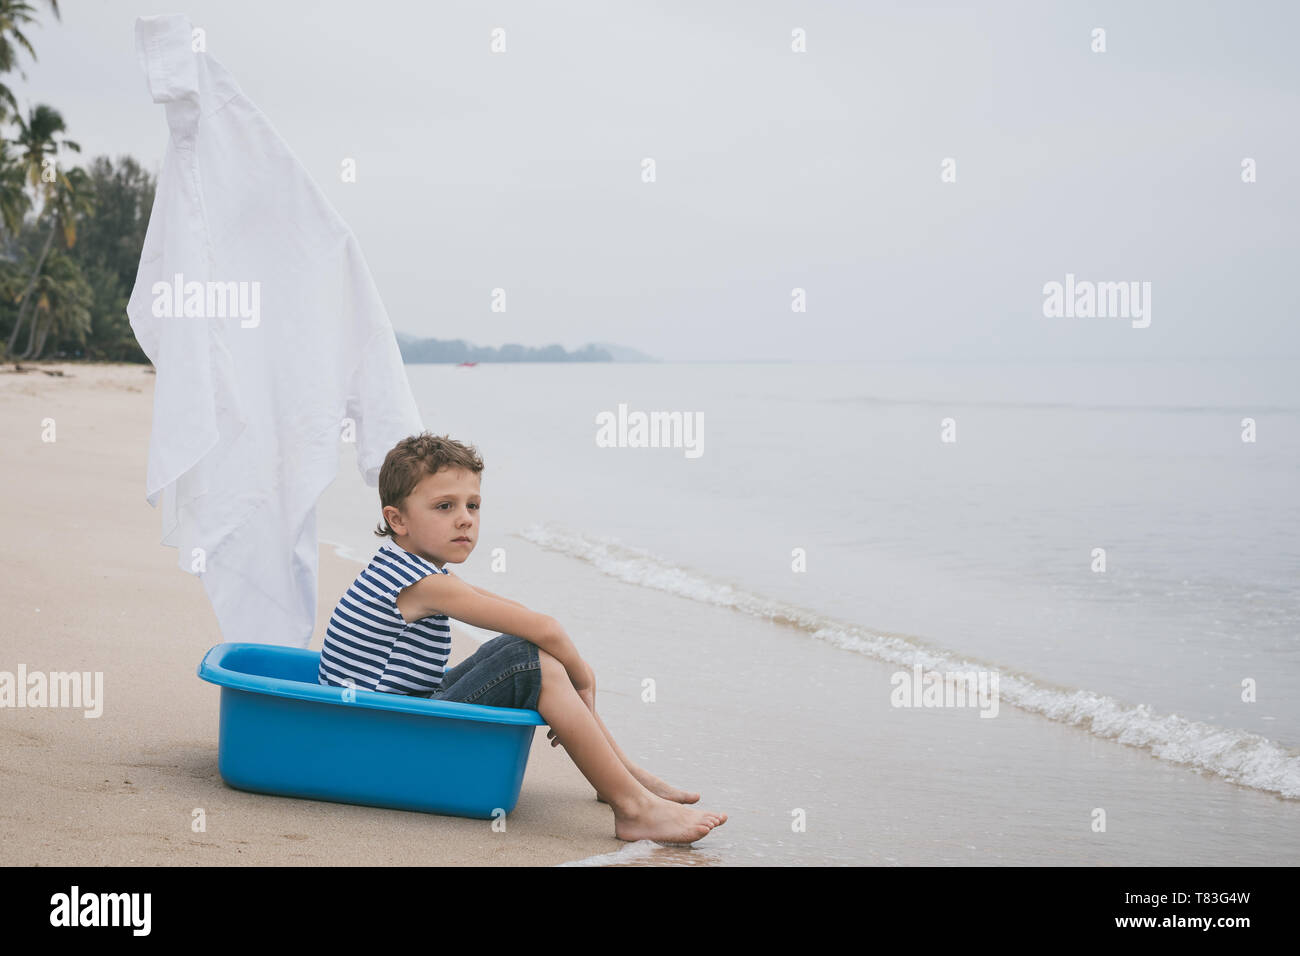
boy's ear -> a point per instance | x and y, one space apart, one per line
394 519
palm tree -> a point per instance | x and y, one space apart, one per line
14 15
14 201
62 305
66 208
39 143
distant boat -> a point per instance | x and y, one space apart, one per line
467 364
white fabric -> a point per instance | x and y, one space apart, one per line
248 415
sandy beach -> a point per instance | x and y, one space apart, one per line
764 721
97 592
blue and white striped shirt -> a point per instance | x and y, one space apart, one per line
369 644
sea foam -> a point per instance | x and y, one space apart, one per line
1236 755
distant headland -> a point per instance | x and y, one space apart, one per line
416 350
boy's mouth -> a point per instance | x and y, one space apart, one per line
454 540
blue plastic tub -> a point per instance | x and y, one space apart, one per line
283 732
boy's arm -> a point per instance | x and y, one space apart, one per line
497 596
448 594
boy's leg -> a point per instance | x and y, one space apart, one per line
643 776
638 813
568 715
476 667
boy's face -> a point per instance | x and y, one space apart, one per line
439 519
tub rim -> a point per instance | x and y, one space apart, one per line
213 670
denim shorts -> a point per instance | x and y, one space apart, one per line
504 672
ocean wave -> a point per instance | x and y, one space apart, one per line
345 551
638 850
1241 757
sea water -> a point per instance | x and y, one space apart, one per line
1098 535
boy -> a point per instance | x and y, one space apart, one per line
391 633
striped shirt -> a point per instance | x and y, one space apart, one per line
370 645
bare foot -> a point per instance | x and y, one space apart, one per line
666 822
659 788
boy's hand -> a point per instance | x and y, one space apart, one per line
581 675
584 682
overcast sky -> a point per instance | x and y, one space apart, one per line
775 169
